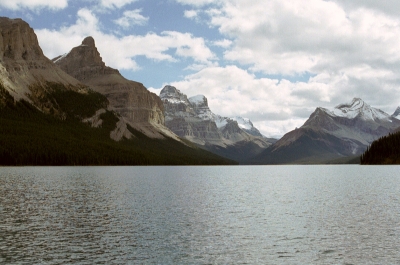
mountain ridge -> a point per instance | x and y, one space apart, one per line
136 106
48 117
192 119
345 131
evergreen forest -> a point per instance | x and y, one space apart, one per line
384 151
28 136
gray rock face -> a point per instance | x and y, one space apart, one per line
396 113
345 131
192 119
84 62
24 70
138 107
183 118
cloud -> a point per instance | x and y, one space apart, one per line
198 3
34 4
231 91
115 3
131 18
389 7
349 48
223 43
190 13
120 52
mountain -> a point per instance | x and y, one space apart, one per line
25 72
192 119
137 106
396 113
345 131
48 117
247 126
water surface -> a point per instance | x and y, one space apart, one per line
200 215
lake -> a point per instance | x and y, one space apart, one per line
200 215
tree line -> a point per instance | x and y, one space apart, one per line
385 150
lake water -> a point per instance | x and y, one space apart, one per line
200 215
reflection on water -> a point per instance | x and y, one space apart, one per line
200 215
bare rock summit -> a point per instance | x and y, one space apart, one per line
23 66
138 107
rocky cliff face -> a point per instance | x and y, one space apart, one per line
24 70
137 106
191 118
247 126
182 117
345 131
396 113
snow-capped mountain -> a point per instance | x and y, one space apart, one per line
246 125
192 119
358 108
345 131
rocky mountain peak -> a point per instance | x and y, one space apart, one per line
169 90
89 41
191 118
356 104
396 112
141 109
18 41
358 108
199 100
23 65
246 125
173 95
84 61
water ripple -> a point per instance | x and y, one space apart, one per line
200 215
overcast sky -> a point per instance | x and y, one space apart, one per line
272 61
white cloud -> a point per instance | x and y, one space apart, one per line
115 3
120 53
223 43
198 2
190 13
131 18
350 48
33 4
272 105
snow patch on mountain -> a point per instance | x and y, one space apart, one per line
200 105
220 121
197 100
358 108
243 123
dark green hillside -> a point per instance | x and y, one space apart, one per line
30 137
384 151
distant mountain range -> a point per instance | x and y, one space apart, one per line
192 119
331 135
75 110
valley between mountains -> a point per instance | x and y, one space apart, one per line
76 110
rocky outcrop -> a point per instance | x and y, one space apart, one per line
345 131
247 126
182 117
396 113
23 66
192 119
137 106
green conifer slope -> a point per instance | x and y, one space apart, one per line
31 137
384 151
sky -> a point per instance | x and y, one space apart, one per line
271 61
